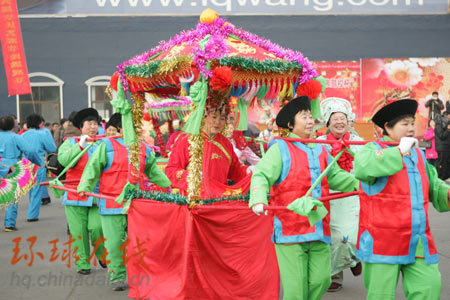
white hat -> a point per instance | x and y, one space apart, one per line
266 108
332 105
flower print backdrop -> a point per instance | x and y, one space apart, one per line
418 77
367 82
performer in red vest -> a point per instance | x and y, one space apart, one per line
397 185
108 165
287 170
81 212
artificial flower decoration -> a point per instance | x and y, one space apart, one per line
221 79
113 81
311 88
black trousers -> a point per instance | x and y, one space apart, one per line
443 165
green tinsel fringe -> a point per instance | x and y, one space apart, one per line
175 198
248 64
261 66
146 70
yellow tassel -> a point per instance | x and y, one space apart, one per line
282 93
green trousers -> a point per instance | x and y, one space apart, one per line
82 221
420 281
305 270
114 230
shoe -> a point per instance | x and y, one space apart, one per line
119 286
10 229
33 220
84 271
102 264
357 270
334 287
46 201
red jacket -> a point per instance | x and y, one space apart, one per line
219 163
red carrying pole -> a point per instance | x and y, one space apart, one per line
86 193
307 141
94 138
46 183
326 198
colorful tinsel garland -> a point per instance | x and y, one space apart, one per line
215 48
132 194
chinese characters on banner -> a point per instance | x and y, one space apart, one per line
12 46
343 81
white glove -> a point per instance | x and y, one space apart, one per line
82 141
259 209
250 169
407 143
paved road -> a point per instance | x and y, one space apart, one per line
53 280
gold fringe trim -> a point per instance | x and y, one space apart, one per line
137 111
284 132
194 168
167 66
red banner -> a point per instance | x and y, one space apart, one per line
12 46
178 253
343 81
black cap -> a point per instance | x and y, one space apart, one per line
115 120
87 113
291 109
394 110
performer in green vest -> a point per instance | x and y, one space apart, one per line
82 212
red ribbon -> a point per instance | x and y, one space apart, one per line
346 159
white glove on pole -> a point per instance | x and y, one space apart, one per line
258 209
82 141
407 143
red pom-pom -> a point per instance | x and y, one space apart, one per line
147 117
311 88
113 81
221 79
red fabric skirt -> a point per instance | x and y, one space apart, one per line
178 253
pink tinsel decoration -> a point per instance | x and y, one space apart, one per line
182 101
216 48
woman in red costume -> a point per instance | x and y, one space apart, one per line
219 163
